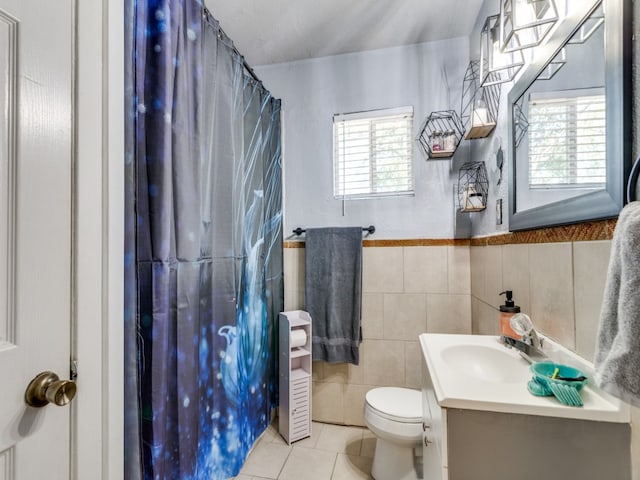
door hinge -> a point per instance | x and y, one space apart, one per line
73 373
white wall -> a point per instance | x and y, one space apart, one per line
428 76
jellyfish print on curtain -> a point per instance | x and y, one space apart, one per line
203 264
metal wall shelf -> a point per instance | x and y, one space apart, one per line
441 134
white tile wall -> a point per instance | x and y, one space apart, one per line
384 362
404 316
425 269
515 274
590 263
382 270
560 285
406 291
551 291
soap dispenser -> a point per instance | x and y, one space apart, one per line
508 310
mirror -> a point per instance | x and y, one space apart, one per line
569 124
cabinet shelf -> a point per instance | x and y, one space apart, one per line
442 153
299 352
480 131
298 322
299 374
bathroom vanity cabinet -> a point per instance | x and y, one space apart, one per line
463 444
294 416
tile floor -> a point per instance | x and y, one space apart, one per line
332 452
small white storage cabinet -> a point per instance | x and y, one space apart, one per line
294 418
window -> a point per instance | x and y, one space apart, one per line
373 153
567 144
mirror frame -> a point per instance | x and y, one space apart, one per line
605 203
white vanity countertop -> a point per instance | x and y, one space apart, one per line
477 372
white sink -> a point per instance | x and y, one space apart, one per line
486 363
477 372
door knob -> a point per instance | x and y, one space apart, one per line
47 388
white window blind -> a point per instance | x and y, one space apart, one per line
567 143
373 153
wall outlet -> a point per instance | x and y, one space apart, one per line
499 211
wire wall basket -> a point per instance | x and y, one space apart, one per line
479 106
520 122
473 187
441 134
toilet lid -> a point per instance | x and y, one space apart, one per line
402 404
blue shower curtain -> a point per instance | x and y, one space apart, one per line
203 264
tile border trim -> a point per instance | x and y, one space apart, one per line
579 232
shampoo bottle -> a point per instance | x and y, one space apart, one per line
508 310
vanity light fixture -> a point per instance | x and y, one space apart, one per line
497 66
525 23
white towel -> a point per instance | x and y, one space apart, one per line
617 359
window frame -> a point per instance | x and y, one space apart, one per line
372 116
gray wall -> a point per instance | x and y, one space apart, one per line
483 223
427 76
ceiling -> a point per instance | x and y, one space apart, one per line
275 31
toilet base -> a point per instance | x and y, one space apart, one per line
393 462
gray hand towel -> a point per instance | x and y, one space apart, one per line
333 291
617 359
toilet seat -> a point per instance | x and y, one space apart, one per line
396 404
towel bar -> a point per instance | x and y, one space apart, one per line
371 229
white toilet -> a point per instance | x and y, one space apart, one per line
394 415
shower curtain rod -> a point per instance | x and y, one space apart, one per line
246 66
371 229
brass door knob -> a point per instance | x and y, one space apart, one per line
47 388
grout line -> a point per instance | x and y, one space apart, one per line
335 462
284 464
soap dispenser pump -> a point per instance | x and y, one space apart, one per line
508 310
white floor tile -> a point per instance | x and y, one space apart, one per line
339 439
349 467
270 433
278 439
312 441
333 452
266 460
308 464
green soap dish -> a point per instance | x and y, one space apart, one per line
538 389
566 394
565 386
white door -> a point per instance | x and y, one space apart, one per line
36 102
